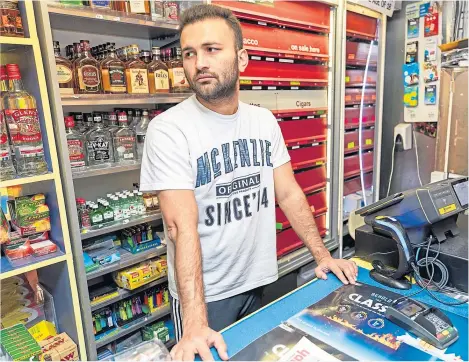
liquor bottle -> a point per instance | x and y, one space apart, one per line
23 125
99 144
88 76
113 125
118 5
138 7
76 51
88 120
145 56
179 83
124 142
96 215
7 171
79 122
136 73
113 73
135 119
171 11
141 131
64 71
158 76
75 144
157 10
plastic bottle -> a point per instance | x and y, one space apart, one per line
141 205
108 213
125 206
96 216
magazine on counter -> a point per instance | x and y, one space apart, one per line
286 343
352 319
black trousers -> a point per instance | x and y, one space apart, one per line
221 313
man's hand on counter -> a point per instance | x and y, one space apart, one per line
345 270
199 341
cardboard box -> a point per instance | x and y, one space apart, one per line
59 348
30 215
457 150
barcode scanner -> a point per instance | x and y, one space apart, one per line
394 278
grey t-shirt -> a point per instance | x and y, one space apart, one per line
228 161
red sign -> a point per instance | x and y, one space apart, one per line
263 40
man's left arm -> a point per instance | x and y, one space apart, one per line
293 203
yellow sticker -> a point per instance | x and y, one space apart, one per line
319 162
347 79
295 83
368 141
447 209
351 56
351 145
245 81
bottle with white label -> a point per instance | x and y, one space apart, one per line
179 83
99 144
136 72
158 75
125 148
76 145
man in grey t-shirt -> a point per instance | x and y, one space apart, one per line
219 166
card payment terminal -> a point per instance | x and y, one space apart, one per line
427 323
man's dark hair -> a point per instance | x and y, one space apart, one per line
204 11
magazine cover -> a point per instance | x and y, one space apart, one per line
352 320
286 343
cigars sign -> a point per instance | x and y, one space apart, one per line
286 100
273 40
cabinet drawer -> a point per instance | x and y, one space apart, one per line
288 241
311 180
357 53
304 131
318 205
352 164
352 117
355 77
354 184
351 140
307 156
354 96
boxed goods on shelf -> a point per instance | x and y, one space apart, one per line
18 344
141 274
59 348
21 304
156 330
30 214
139 238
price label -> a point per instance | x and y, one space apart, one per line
351 56
126 221
319 163
295 83
347 79
99 16
369 141
117 18
270 59
351 145
245 81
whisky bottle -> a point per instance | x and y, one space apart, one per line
125 147
158 76
179 83
136 73
138 7
145 56
113 73
75 144
23 124
7 170
87 71
64 71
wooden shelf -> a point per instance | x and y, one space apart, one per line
133 326
110 15
8 270
28 180
99 171
124 293
122 99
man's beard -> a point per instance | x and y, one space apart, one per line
219 90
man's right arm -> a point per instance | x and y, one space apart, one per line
180 213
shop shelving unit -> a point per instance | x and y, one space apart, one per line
363 65
68 24
56 271
305 90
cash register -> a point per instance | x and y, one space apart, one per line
389 232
